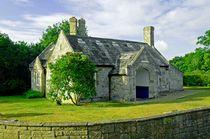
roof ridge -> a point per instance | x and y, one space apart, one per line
43 51
104 38
51 44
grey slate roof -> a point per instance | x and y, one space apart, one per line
44 55
103 51
122 61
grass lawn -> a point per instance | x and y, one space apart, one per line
43 110
196 88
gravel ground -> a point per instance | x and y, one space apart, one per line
170 96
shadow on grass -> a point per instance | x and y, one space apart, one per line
12 97
195 97
196 88
19 99
5 101
12 115
112 104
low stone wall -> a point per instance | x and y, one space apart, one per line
185 124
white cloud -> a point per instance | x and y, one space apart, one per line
119 18
161 45
20 30
10 23
43 21
173 19
20 35
196 3
21 1
30 29
177 22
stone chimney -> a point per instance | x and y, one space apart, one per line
82 28
73 26
149 35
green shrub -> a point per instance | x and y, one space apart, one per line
33 94
73 73
196 79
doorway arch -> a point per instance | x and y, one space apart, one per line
142 83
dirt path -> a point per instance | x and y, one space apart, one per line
170 96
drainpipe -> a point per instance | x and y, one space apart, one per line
110 83
109 87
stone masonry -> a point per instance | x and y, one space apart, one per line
123 66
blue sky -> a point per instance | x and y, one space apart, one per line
177 23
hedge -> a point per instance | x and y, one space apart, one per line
197 79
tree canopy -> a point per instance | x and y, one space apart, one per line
205 39
198 61
14 60
194 61
72 77
196 65
52 32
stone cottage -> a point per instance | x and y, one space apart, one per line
127 70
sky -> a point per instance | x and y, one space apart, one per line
177 23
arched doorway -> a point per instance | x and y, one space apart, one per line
142 83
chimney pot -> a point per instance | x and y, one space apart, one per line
82 28
73 26
149 35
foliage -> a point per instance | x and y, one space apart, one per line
196 64
204 40
33 94
195 61
16 56
72 77
197 88
51 33
198 60
196 79
14 61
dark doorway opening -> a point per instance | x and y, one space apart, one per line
142 92
44 83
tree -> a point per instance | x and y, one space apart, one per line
14 61
197 61
204 40
194 61
72 77
206 64
51 33
196 65
16 56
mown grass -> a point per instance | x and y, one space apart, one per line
197 88
43 110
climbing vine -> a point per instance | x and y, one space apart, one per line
72 77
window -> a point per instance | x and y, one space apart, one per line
37 78
159 80
60 46
34 77
95 79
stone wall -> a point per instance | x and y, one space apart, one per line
181 125
61 48
163 80
102 83
146 62
175 79
120 88
37 76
